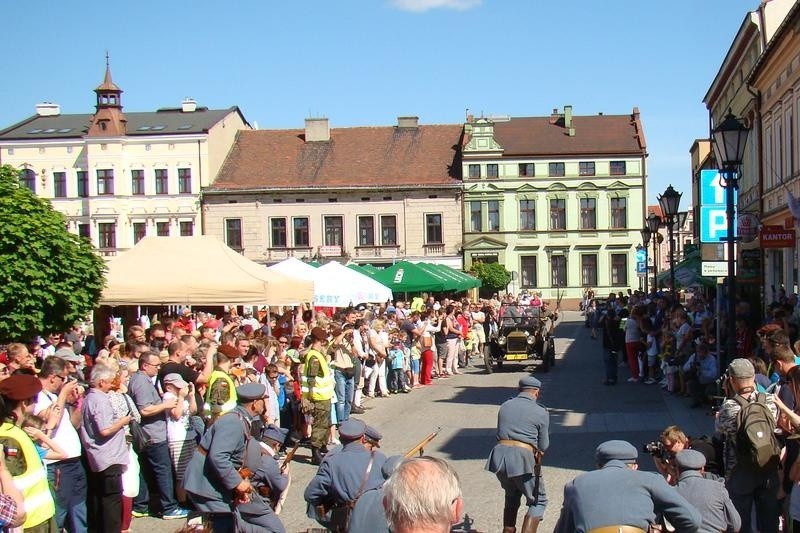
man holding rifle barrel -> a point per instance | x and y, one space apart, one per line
516 459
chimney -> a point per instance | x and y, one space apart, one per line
554 116
568 121
317 130
189 105
407 122
48 109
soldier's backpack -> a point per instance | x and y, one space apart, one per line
756 444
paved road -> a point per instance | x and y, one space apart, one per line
583 413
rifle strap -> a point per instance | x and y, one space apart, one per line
365 478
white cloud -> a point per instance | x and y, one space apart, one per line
420 6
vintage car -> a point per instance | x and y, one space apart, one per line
524 333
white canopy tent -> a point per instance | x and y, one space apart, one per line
294 268
198 270
335 285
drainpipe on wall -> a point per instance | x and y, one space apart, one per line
759 150
200 196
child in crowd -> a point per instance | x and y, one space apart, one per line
47 448
416 355
397 358
652 351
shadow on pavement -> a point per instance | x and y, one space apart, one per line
469 444
480 395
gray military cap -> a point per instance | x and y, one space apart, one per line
690 460
616 449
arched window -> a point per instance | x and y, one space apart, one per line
27 179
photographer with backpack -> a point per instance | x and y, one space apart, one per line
746 423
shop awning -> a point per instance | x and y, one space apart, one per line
687 272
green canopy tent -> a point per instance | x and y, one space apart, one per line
469 282
687 272
411 277
367 270
371 270
358 268
459 281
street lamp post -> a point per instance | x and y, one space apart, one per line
730 138
670 202
645 243
653 223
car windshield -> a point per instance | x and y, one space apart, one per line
519 314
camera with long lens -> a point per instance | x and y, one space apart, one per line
657 449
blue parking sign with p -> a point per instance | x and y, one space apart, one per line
713 214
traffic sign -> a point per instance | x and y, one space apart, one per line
714 268
713 208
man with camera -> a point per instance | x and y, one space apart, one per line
748 480
671 441
618 497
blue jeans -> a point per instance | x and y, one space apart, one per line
68 483
610 363
344 395
156 466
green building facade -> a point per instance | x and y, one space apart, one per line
558 200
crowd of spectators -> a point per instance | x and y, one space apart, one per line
117 420
681 345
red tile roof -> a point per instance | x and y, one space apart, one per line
594 135
354 157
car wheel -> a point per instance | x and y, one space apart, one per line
487 359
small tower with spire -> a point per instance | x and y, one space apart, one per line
108 120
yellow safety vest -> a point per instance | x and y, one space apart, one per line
32 483
230 403
323 383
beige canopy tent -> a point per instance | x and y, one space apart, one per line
196 271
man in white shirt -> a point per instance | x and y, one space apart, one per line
57 405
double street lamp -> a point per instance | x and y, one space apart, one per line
670 203
730 138
653 222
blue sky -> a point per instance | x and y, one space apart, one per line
365 62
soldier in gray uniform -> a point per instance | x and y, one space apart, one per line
522 438
343 477
213 480
368 514
618 496
258 515
710 497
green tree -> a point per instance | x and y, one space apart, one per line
493 275
49 278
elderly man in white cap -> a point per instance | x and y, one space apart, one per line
522 438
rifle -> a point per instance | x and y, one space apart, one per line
290 455
420 447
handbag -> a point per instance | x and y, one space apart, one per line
427 342
139 438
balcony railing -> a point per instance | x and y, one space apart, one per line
376 251
434 249
279 254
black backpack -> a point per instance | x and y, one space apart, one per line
756 444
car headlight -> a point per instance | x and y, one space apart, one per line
501 339
531 339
